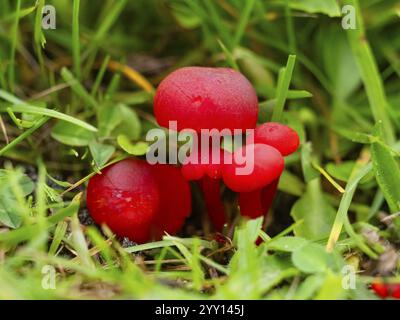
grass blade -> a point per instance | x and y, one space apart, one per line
24 135
132 75
38 33
244 18
75 39
27 232
285 75
387 174
78 88
50 113
26 108
290 28
360 171
100 76
14 37
218 23
229 57
370 73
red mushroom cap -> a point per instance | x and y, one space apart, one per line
206 98
279 136
267 164
204 162
138 200
125 197
193 168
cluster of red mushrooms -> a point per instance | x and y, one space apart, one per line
143 202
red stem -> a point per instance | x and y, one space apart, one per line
215 208
250 204
257 203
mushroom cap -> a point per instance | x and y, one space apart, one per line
138 200
277 135
265 164
125 197
204 163
206 98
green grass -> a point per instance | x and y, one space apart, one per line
14 38
75 39
78 98
285 75
370 74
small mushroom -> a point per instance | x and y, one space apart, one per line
126 198
279 136
257 187
286 141
261 165
135 199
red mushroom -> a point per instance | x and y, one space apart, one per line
286 141
277 135
206 98
261 165
200 98
125 197
135 199
256 188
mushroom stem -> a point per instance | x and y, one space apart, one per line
257 203
215 208
250 204
268 195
